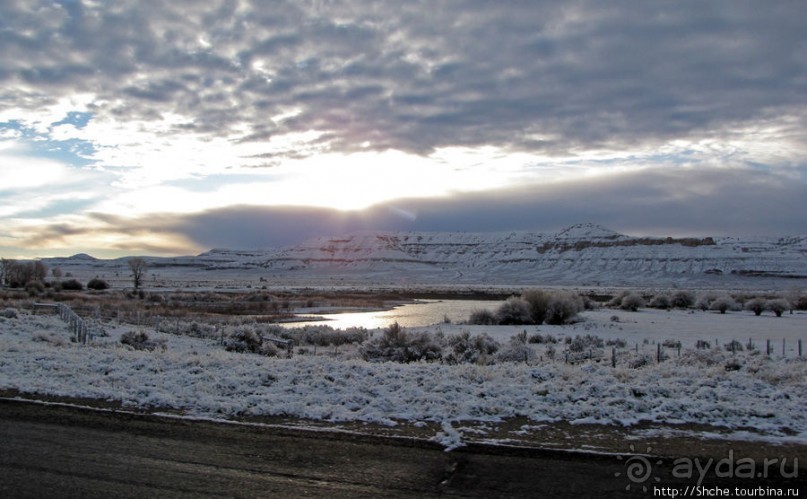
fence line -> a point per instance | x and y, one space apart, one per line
75 324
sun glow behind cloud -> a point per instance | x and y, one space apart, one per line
112 113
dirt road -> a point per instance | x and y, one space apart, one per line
58 451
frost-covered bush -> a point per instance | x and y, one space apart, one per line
585 343
682 299
467 349
318 335
733 365
538 302
660 301
53 339
724 303
778 306
702 356
563 307
321 335
616 342
245 339
140 340
631 302
482 317
9 313
617 299
635 361
704 301
517 350
756 305
396 345
200 330
542 338
514 311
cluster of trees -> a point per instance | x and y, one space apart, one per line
534 306
18 274
32 274
632 301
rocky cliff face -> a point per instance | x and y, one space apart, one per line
581 254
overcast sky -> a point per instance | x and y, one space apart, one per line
154 127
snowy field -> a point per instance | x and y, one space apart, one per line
758 395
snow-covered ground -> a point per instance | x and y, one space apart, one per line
199 378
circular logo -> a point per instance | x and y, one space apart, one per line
638 469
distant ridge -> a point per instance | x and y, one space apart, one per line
582 254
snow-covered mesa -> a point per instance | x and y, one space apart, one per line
584 254
766 394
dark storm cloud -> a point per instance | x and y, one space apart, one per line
549 77
656 203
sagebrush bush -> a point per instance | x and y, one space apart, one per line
140 340
616 300
778 306
631 302
396 345
704 301
9 313
538 302
517 350
246 339
319 335
539 338
723 304
467 349
585 343
682 299
660 301
756 305
482 317
563 307
514 311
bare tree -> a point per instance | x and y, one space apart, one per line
5 263
138 267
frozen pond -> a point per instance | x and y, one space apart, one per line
422 313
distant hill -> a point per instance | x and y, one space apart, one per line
584 254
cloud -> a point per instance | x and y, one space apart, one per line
200 110
538 77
